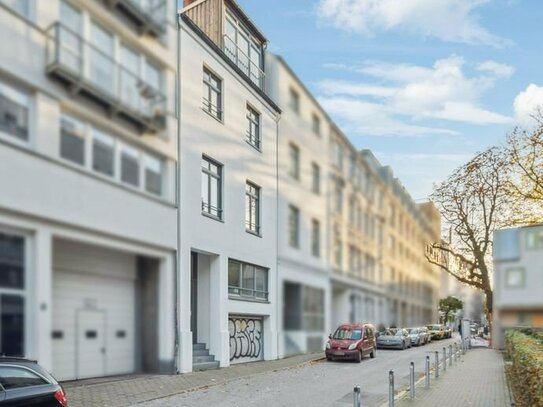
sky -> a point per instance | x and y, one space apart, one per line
424 84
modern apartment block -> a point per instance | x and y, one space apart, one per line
228 283
87 164
518 281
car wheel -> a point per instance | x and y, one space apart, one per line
359 357
373 353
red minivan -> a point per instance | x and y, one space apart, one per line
352 341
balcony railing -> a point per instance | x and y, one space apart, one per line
89 70
149 15
243 62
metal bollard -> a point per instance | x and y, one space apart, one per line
450 356
437 363
356 394
455 352
444 359
412 380
391 388
427 372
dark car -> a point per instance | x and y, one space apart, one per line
397 338
352 341
25 383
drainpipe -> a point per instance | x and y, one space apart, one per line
278 301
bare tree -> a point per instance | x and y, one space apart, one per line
473 203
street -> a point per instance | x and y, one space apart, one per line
319 384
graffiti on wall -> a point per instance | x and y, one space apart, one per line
246 338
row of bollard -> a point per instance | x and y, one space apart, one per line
455 356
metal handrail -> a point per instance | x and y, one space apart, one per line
247 292
252 70
253 139
74 53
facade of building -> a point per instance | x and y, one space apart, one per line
518 279
87 164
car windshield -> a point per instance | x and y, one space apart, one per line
390 332
433 328
414 331
400 332
350 334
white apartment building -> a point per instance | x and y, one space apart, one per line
87 169
304 286
228 282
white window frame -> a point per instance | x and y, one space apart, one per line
254 140
240 289
25 99
220 190
253 226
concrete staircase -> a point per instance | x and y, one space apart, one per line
201 359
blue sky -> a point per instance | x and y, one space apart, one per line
425 84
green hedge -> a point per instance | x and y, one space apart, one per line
525 351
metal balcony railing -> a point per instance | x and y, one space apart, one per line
150 15
89 70
243 62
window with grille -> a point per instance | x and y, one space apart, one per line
252 208
253 127
247 280
212 98
211 188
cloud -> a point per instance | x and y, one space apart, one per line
527 103
496 68
401 98
447 20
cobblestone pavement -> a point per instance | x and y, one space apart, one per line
478 380
129 390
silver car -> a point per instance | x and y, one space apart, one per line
416 336
397 338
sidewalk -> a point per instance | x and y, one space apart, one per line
478 380
129 390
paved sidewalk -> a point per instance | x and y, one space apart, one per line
129 390
478 380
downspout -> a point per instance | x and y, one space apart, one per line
278 301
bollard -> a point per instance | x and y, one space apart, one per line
391 388
412 380
444 359
356 394
437 363
427 372
455 352
450 356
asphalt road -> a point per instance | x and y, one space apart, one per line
319 384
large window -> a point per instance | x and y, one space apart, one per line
253 127
338 195
212 94
103 153
72 140
294 161
20 6
315 178
153 174
316 124
294 100
313 309
14 113
293 226
130 165
211 188
101 57
252 208
12 295
534 238
247 281
315 238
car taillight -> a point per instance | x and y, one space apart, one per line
61 398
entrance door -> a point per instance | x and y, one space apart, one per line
91 348
194 296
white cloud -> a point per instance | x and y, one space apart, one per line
407 95
527 103
448 20
496 68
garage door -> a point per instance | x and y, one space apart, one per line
93 311
246 339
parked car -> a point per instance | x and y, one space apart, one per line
447 332
425 334
352 341
397 338
417 337
436 331
25 383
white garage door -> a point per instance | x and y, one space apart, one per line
93 311
246 339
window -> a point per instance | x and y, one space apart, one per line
253 127
338 155
338 247
294 102
315 238
12 377
103 152
153 174
212 94
101 54
14 115
514 278
72 140
294 163
252 208
293 226
315 178
211 188
313 309
338 194
534 238
12 295
130 165
22 7
316 124
70 52
247 280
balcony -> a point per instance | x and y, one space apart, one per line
248 66
89 71
149 15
